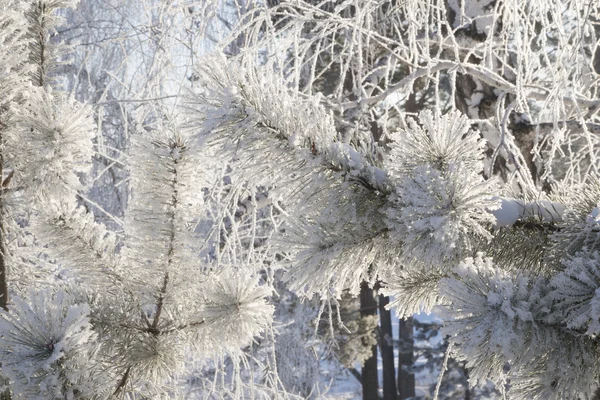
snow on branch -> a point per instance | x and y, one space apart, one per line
481 73
13 53
49 144
337 235
239 106
513 210
48 348
42 20
576 294
414 289
495 319
441 200
78 242
236 309
339 262
166 200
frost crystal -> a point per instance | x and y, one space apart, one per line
484 315
577 293
437 142
441 199
236 308
50 143
47 346
438 214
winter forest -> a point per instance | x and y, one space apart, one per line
299 199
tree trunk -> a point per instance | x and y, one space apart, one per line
3 253
3 266
6 394
467 388
370 382
386 345
406 380
3 249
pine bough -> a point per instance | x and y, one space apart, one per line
126 313
418 217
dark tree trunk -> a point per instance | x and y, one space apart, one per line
386 345
3 268
370 382
6 394
596 59
3 253
3 249
467 388
406 380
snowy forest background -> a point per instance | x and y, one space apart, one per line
264 199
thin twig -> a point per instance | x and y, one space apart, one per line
99 207
444 368
122 382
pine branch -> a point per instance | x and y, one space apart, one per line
476 71
76 240
355 373
247 99
122 382
43 54
3 247
153 328
159 306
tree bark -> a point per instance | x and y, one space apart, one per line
370 381
406 380
596 394
3 252
467 388
3 267
6 394
387 350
